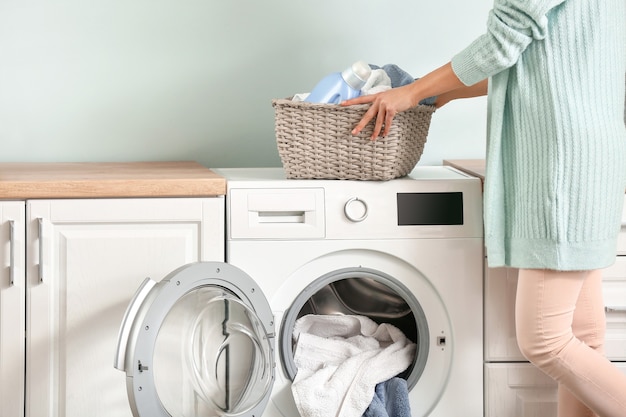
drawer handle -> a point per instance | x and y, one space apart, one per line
12 252
40 220
614 309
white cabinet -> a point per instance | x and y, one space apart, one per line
515 388
12 307
500 287
83 261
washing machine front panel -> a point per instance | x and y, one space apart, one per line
200 342
436 263
443 276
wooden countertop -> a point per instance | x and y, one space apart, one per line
475 167
20 181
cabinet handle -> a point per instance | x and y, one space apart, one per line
40 220
614 309
12 252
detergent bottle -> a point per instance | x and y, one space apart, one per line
339 86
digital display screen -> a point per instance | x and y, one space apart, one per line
430 209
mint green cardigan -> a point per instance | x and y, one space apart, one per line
556 147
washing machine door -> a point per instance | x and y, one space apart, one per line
198 343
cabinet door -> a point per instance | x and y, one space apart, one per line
614 292
520 390
500 288
12 308
499 311
86 259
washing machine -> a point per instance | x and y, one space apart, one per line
217 339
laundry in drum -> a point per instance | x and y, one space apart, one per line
341 359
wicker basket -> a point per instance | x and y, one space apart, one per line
314 141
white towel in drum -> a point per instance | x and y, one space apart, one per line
340 359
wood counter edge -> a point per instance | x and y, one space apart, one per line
20 181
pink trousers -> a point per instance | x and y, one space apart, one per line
560 324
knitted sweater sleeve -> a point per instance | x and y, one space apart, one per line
512 25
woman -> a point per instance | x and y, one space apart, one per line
556 174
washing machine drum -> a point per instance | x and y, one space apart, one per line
198 343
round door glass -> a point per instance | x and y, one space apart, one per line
211 356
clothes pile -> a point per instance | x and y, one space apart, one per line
348 367
381 79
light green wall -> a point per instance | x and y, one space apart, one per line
123 80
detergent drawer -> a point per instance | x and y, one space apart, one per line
279 213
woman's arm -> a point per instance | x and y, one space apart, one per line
476 90
387 104
512 26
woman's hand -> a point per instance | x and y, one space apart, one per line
441 83
384 107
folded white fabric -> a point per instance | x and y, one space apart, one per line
340 359
300 96
377 82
